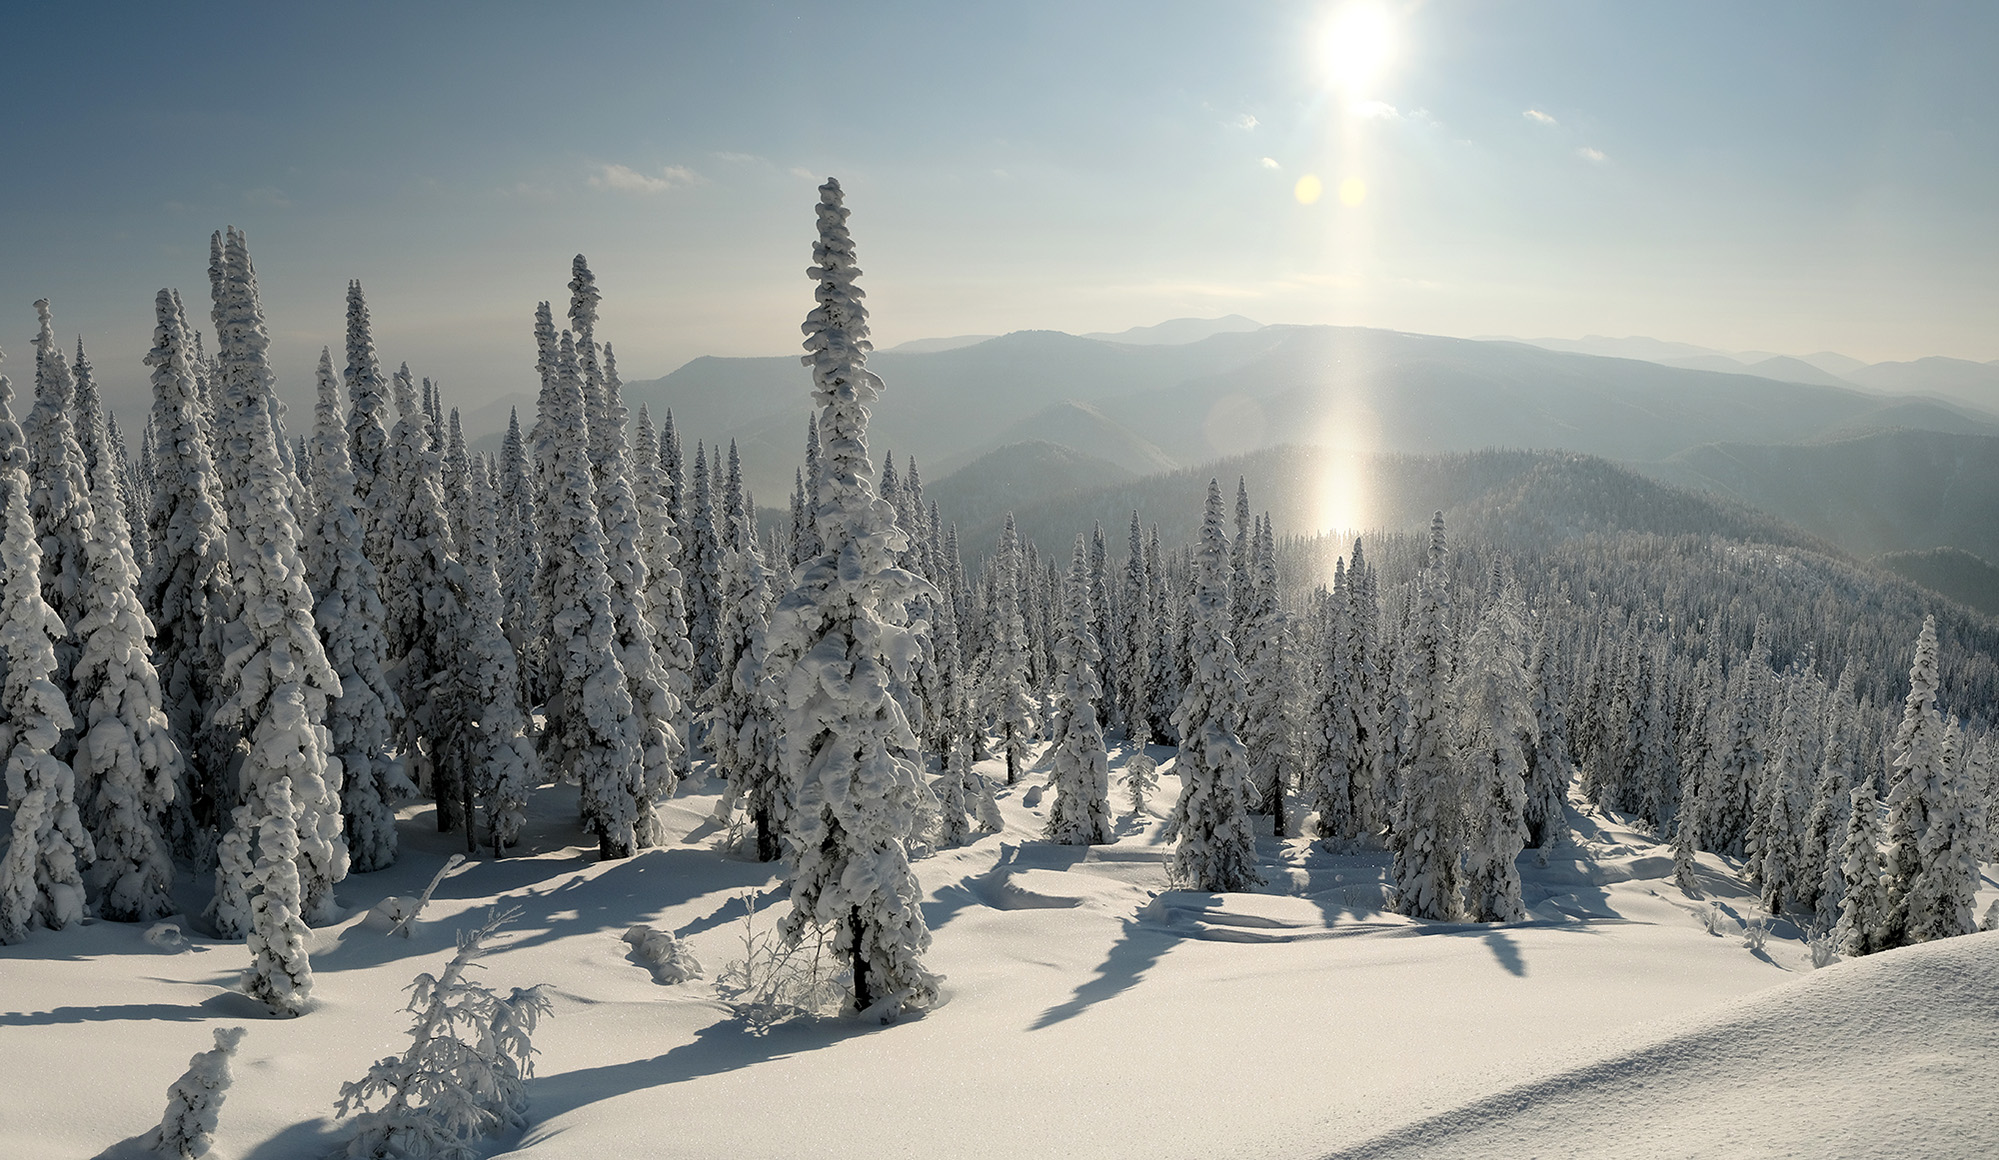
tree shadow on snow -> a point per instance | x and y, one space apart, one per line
723 1046
227 1005
1508 954
1135 951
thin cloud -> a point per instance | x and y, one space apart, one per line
1592 155
1539 117
1374 111
1246 122
625 179
737 158
1270 163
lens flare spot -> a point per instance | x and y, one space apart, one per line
1308 189
1353 191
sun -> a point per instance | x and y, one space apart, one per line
1358 45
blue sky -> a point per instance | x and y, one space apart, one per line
1786 177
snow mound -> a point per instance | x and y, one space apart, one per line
1888 1055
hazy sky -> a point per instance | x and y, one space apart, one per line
1787 177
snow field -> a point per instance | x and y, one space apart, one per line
1088 1011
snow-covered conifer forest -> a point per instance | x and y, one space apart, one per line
1141 822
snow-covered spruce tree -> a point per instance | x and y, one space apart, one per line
1214 850
284 850
59 494
187 1130
368 422
1081 813
704 572
348 613
1268 672
499 756
188 588
1425 833
1819 849
740 723
1940 901
1007 657
135 489
836 641
520 559
1104 624
1785 805
125 751
666 605
41 878
592 735
423 589
1549 764
1915 788
1495 733
1333 742
464 1074
1863 909
618 515
1375 776
1134 638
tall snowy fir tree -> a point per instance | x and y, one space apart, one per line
284 850
1006 675
1267 668
1864 919
837 640
592 733
423 585
1081 813
500 758
653 701
59 494
1426 834
520 559
128 768
41 880
1333 756
665 597
348 612
1914 792
1549 762
1495 733
1214 849
368 421
188 589
1134 638
741 723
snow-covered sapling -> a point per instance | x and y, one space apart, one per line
670 960
411 912
1755 935
778 978
466 1069
187 1131
1141 778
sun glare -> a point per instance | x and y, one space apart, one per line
1357 48
1308 189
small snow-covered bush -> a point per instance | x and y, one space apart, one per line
187 1131
166 936
1755 935
775 981
402 913
1991 919
465 1073
1714 918
1825 950
669 958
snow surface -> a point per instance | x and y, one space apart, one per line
1089 1011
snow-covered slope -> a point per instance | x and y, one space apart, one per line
1892 1055
1090 1011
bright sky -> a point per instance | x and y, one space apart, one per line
1792 177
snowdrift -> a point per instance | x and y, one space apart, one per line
1892 1055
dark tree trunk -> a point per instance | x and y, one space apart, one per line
863 994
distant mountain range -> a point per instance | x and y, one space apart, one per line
1154 405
